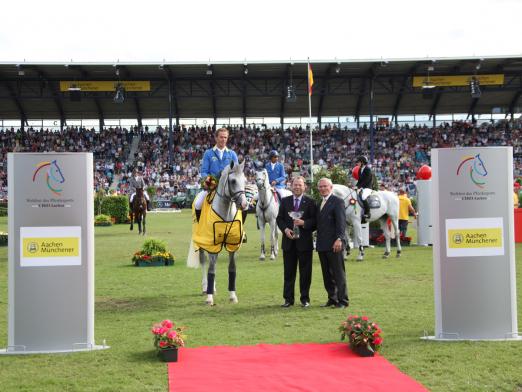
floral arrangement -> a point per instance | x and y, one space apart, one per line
168 335
153 251
3 238
166 257
210 183
380 239
361 331
102 220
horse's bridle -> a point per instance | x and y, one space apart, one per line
264 208
233 197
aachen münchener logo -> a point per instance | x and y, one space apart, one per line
477 169
457 238
32 247
53 176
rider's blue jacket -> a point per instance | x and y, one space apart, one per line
276 174
213 165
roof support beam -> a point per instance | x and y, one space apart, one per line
15 98
323 91
433 110
398 100
56 95
514 100
283 95
127 75
472 106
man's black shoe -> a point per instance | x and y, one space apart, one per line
287 305
341 305
329 303
305 304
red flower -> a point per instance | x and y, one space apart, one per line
162 344
377 341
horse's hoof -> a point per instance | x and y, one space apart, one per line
210 300
233 298
385 256
398 254
360 258
262 258
272 257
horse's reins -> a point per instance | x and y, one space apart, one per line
263 209
233 198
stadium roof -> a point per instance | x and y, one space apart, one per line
256 89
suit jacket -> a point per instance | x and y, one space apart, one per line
365 178
331 224
278 174
284 221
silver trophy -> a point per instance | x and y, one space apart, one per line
296 215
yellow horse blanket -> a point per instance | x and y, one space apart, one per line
211 233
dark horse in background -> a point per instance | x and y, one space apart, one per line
138 210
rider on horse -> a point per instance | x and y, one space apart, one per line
276 173
364 185
136 181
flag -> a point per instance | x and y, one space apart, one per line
310 79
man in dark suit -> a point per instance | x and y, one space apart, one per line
297 251
331 240
364 185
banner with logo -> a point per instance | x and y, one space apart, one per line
473 247
51 252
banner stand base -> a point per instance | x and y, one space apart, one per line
437 339
8 351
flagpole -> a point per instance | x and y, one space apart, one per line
310 125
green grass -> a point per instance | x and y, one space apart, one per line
398 293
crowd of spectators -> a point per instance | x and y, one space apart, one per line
398 151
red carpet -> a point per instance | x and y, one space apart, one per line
290 367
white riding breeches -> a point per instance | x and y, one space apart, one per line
365 192
198 202
144 194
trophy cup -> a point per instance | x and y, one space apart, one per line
296 215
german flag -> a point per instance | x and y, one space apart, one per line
310 79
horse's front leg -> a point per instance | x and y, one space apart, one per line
395 223
144 218
273 239
261 223
232 277
138 221
211 277
357 238
131 215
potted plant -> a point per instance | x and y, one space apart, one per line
168 338
363 334
152 253
102 220
3 238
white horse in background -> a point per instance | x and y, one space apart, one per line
229 197
267 209
389 208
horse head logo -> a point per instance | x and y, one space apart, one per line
477 169
53 176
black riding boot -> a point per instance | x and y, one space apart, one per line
366 212
149 206
244 216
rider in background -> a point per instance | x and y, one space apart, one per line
364 185
136 181
276 173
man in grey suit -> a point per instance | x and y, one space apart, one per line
331 240
136 181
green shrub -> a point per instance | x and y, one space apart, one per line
337 174
114 206
3 211
3 238
152 246
102 220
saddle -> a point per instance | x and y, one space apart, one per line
373 201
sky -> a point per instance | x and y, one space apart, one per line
266 30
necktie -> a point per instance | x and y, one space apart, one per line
323 203
296 204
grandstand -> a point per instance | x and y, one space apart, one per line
357 107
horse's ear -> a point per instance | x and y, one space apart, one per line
232 164
242 166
